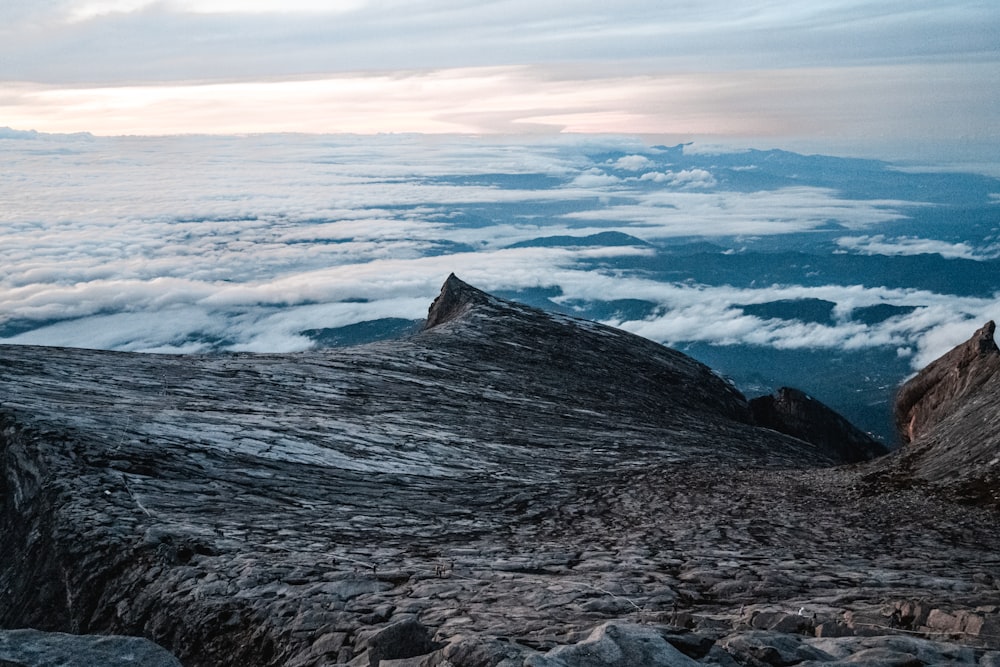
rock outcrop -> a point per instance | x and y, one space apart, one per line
948 417
940 388
479 495
795 413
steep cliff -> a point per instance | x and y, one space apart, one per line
948 416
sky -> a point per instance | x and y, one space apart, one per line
916 80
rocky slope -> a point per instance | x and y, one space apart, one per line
949 417
799 415
507 487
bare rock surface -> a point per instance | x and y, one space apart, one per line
795 413
32 648
937 390
949 417
479 495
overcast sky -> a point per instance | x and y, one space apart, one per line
849 75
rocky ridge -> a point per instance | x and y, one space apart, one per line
507 487
795 413
949 417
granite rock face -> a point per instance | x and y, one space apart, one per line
479 495
797 414
939 389
948 416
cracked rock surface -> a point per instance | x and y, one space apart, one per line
507 487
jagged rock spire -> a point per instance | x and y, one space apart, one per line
456 298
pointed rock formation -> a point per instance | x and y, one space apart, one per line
799 415
456 298
930 396
948 417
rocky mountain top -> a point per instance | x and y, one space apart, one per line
505 488
938 390
949 416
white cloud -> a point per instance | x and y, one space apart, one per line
670 213
633 163
595 178
174 244
879 244
686 178
710 314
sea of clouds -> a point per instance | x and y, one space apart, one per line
203 243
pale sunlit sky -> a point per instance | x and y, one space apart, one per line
864 77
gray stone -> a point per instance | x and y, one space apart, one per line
990 659
507 475
615 645
483 652
896 647
772 648
404 639
34 648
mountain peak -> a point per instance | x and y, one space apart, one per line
337 507
455 299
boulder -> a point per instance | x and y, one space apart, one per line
929 396
948 417
772 648
403 639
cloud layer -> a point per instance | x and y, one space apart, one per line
198 243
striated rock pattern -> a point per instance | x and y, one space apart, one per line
505 488
797 414
937 390
949 417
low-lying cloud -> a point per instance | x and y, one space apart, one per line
879 244
189 244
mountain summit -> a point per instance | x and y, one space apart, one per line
505 487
